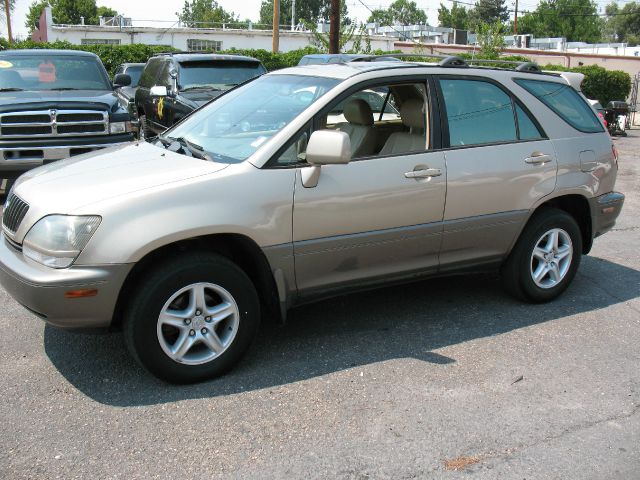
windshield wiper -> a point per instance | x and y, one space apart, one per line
11 89
194 149
59 89
200 87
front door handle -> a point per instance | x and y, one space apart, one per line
538 158
425 173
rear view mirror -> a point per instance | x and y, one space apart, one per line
328 147
121 80
325 147
158 91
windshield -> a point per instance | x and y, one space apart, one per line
52 72
134 72
220 75
236 124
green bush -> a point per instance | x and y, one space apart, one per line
114 55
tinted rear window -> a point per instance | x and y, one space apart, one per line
565 102
220 75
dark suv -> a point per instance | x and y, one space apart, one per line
173 85
55 104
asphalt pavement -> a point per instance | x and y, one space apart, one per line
446 378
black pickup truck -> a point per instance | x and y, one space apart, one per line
172 85
55 104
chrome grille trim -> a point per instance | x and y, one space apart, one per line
15 210
33 125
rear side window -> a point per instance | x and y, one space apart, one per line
478 112
528 129
565 102
150 73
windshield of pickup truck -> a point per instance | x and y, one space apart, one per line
236 124
51 72
220 75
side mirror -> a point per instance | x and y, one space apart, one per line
325 147
121 80
158 91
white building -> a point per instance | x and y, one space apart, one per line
182 38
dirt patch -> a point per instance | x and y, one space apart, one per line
460 463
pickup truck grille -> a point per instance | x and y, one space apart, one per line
53 123
14 211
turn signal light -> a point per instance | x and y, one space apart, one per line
85 292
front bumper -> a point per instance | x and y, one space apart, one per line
42 290
604 212
18 156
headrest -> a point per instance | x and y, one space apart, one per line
412 113
358 112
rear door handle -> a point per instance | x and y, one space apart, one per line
538 158
425 173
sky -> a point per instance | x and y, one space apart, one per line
164 11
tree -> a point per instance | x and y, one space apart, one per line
70 11
106 12
400 12
12 6
575 20
457 17
33 15
489 12
623 24
204 13
491 39
307 11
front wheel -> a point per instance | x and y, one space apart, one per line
192 318
545 258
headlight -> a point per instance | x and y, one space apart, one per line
120 127
57 240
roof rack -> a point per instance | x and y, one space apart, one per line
445 60
453 61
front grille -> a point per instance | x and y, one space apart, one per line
53 123
14 211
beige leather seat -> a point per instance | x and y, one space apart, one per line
360 127
413 116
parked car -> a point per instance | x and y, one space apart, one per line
617 116
127 94
259 201
597 106
173 85
56 104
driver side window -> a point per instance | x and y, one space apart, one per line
381 121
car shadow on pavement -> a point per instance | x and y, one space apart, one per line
407 321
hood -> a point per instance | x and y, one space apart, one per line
200 97
66 185
31 100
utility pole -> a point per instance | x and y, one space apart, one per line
515 20
334 27
293 15
7 12
276 26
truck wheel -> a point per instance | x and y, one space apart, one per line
192 318
545 258
145 132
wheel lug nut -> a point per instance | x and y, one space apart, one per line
208 319
192 332
187 321
203 331
198 312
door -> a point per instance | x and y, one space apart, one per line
378 217
499 164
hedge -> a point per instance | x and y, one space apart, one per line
599 83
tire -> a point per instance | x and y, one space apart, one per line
172 290
145 132
537 271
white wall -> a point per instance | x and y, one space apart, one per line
177 37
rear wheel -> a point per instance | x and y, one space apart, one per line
192 318
545 258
